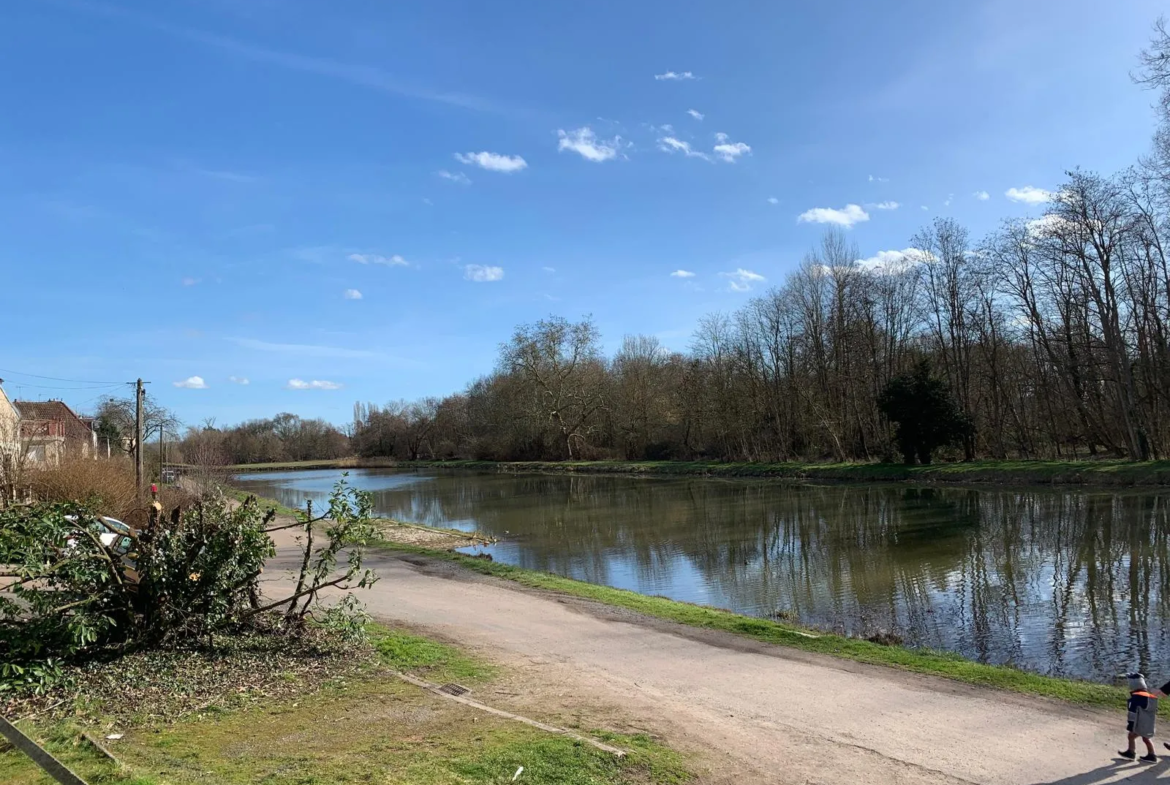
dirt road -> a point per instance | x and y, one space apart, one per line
749 712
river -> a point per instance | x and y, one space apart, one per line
1062 582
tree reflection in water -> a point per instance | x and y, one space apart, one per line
1065 582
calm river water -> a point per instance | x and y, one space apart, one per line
1070 583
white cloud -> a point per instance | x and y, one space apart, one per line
316 384
192 383
373 258
670 76
190 281
669 144
773 200
493 162
731 152
925 208
890 205
586 144
1046 225
682 274
695 113
947 203
1029 195
238 380
873 179
982 196
549 269
482 274
741 280
892 261
847 216
455 177
352 294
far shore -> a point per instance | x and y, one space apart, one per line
1110 472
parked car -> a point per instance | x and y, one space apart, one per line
117 538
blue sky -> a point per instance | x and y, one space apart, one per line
201 188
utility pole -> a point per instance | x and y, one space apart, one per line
139 395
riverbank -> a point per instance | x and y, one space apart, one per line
1110 473
933 663
362 723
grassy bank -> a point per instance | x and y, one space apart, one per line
1099 473
369 728
933 663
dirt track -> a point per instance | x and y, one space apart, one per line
751 713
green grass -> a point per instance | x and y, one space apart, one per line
240 496
373 728
1097 472
933 663
435 661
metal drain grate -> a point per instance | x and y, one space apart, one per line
454 689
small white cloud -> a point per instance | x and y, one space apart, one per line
316 384
190 281
352 294
695 113
1046 226
239 380
682 274
1029 195
671 76
873 179
847 216
773 200
982 196
482 274
886 206
741 280
427 201
586 144
669 144
493 162
455 177
949 198
925 208
729 151
373 258
893 261
549 269
192 383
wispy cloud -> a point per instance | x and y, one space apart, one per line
304 350
682 274
482 273
455 177
231 177
362 75
847 216
674 76
741 280
730 151
695 113
773 200
1029 195
352 294
892 261
982 196
242 380
192 383
586 144
669 144
493 162
885 206
373 258
316 384
549 269
947 202
188 281
873 179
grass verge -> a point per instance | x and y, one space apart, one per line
933 663
364 728
1102 472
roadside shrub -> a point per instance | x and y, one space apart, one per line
105 486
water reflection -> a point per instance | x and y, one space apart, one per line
1069 583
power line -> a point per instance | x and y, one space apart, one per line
19 384
57 379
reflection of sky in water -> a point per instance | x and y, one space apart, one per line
1040 579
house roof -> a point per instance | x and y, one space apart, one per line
54 411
